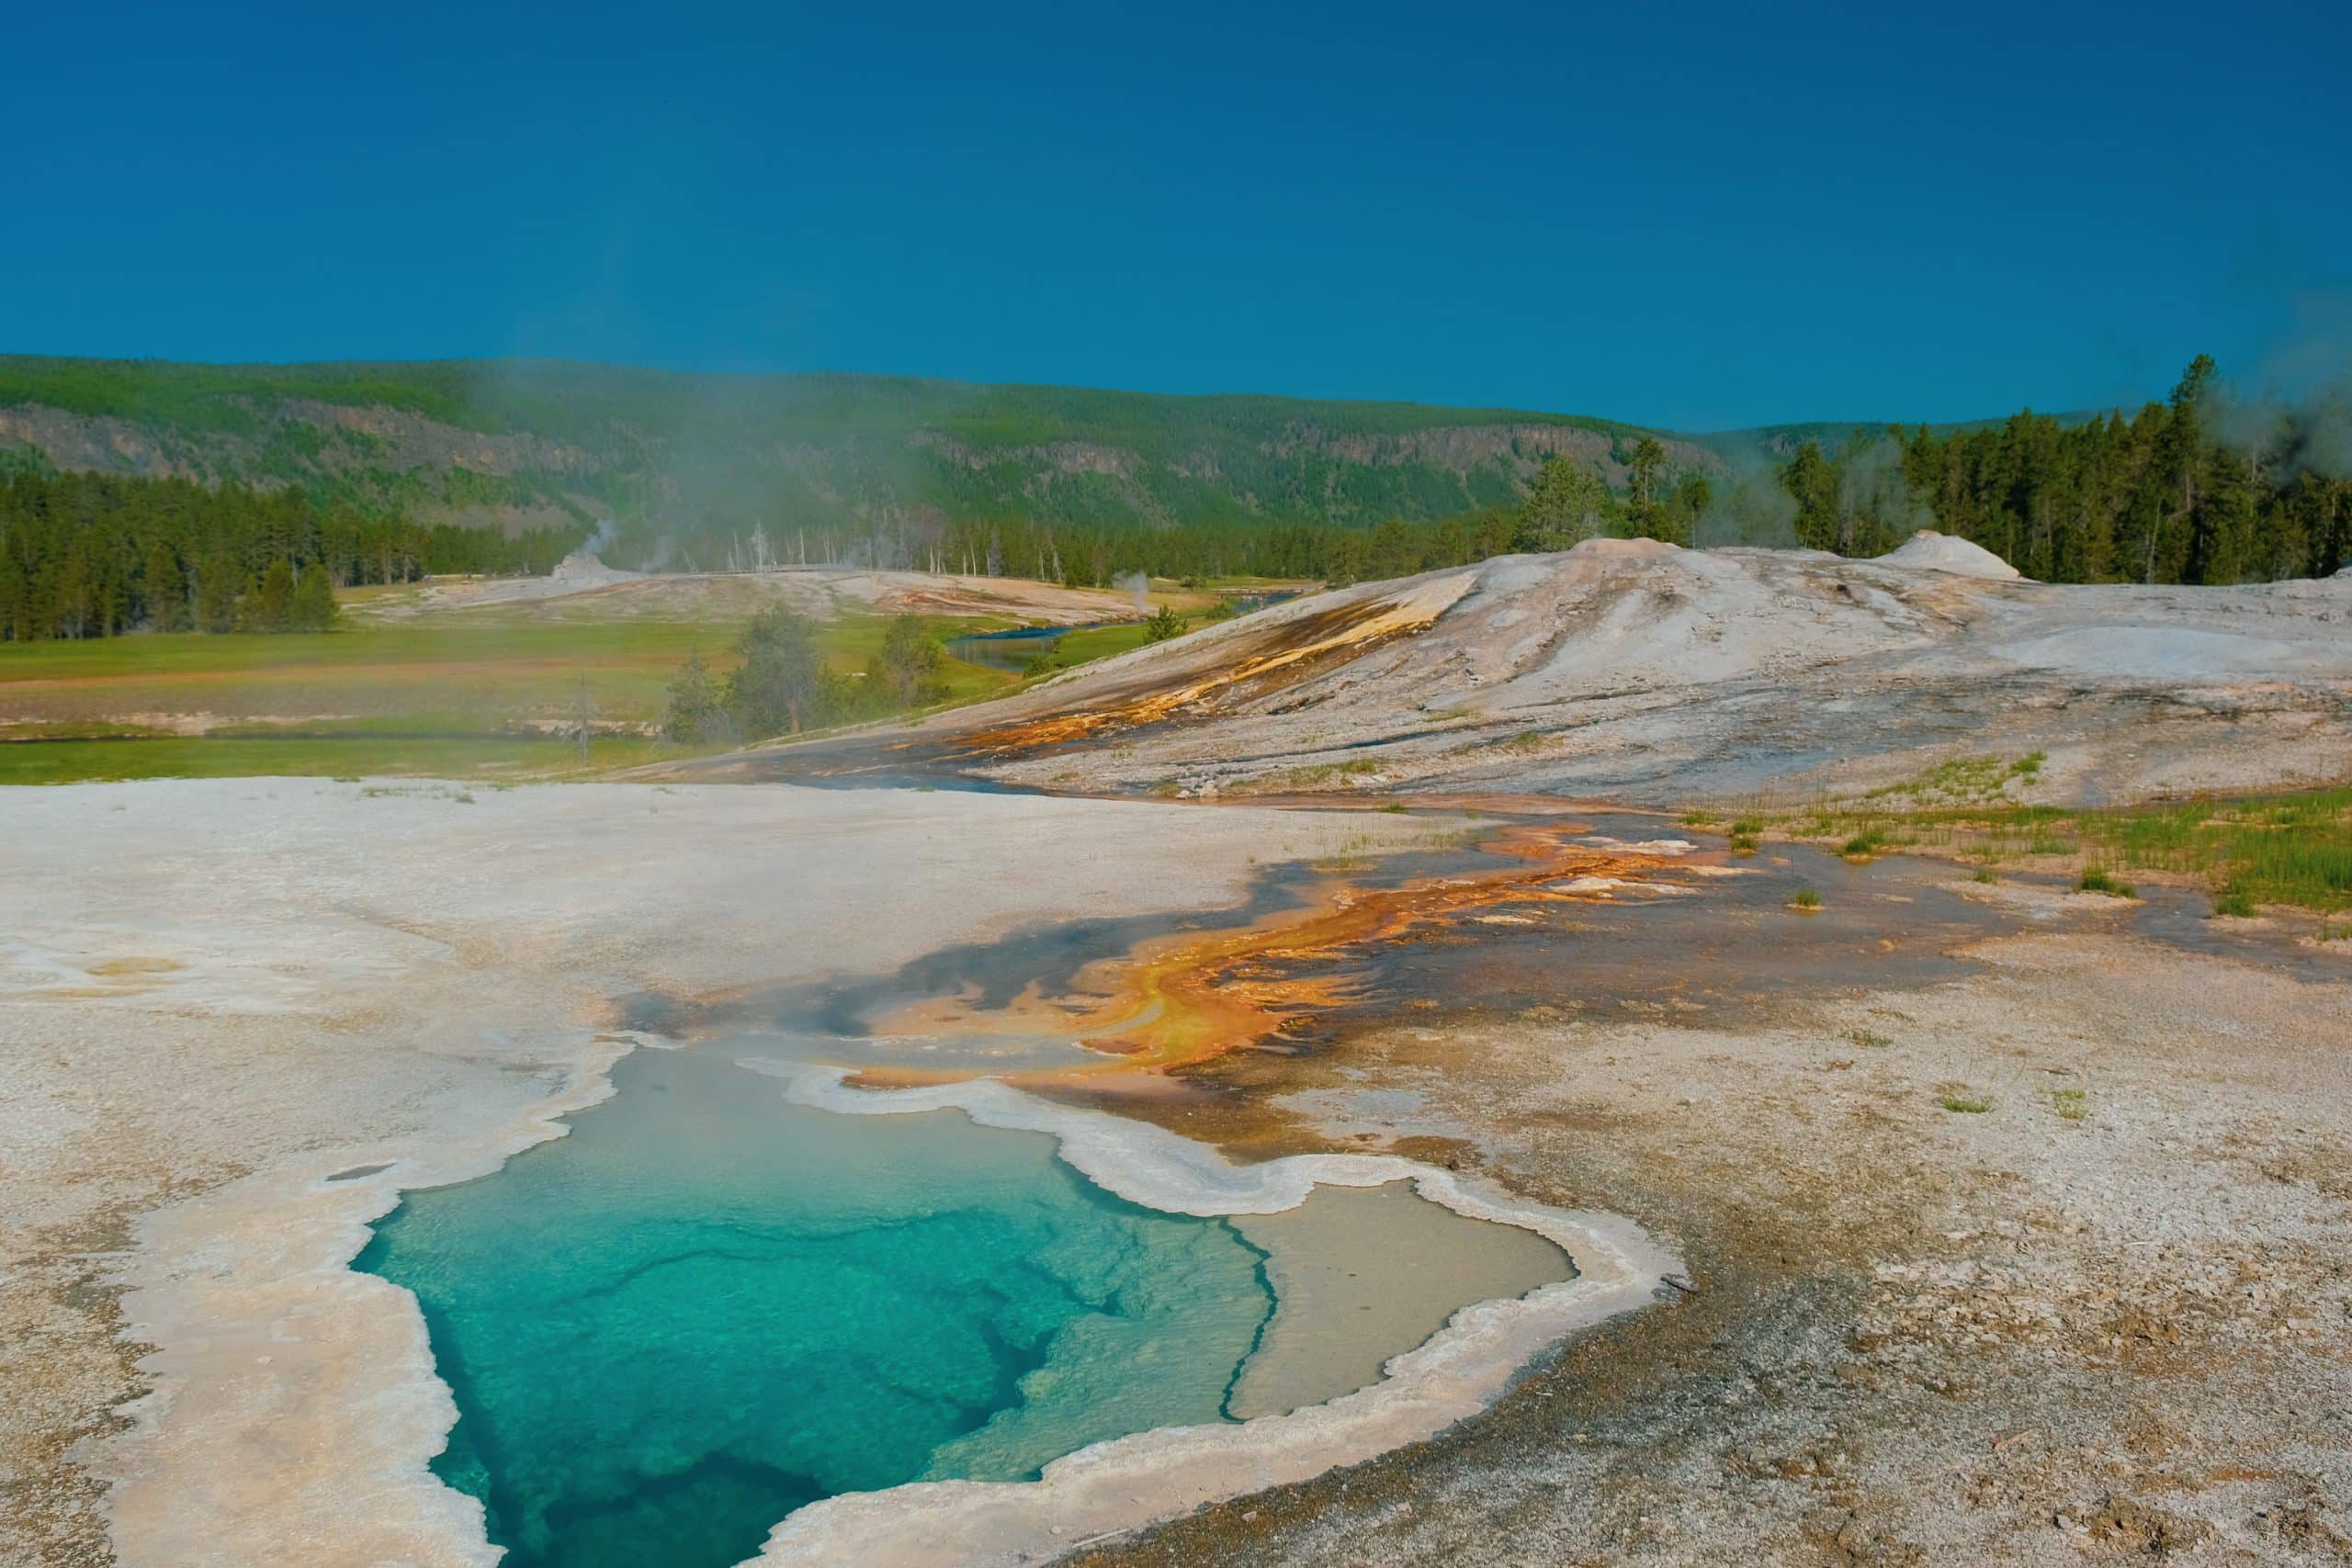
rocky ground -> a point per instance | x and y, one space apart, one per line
2107 1318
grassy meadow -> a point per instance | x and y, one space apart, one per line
488 692
478 696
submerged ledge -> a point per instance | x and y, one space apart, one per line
1129 1483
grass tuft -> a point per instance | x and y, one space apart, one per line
1961 1104
2098 879
2234 903
1804 899
1865 844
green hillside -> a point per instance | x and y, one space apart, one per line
691 463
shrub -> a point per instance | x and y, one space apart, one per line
1804 899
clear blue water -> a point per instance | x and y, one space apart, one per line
1008 650
706 1308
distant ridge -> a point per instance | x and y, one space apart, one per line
519 442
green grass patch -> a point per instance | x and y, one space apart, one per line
2072 1104
1804 899
2098 879
1965 1104
453 696
2288 850
1870 841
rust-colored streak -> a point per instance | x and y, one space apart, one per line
1293 650
1182 1000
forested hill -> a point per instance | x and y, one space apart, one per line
689 465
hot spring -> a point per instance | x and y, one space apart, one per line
708 1307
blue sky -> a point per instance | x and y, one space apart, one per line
1699 217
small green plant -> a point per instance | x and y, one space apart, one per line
1870 1038
2029 767
1695 818
1165 625
1804 899
2099 879
1743 843
2072 1104
1747 827
1395 807
2234 902
1986 873
1864 844
1961 1104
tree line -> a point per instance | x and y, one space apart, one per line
1567 501
2197 489
99 555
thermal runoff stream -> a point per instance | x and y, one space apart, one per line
707 1307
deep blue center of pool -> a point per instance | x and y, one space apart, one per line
706 1308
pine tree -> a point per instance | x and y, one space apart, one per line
1566 505
218 585
162 591
312 608
1648 462
265 607
1812 481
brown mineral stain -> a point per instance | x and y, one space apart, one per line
1187 998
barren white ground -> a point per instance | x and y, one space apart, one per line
215 995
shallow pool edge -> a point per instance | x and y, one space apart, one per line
200 1327
1126 1484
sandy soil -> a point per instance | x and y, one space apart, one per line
260 984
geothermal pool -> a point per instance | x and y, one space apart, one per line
708 1307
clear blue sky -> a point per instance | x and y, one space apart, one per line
1699 216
